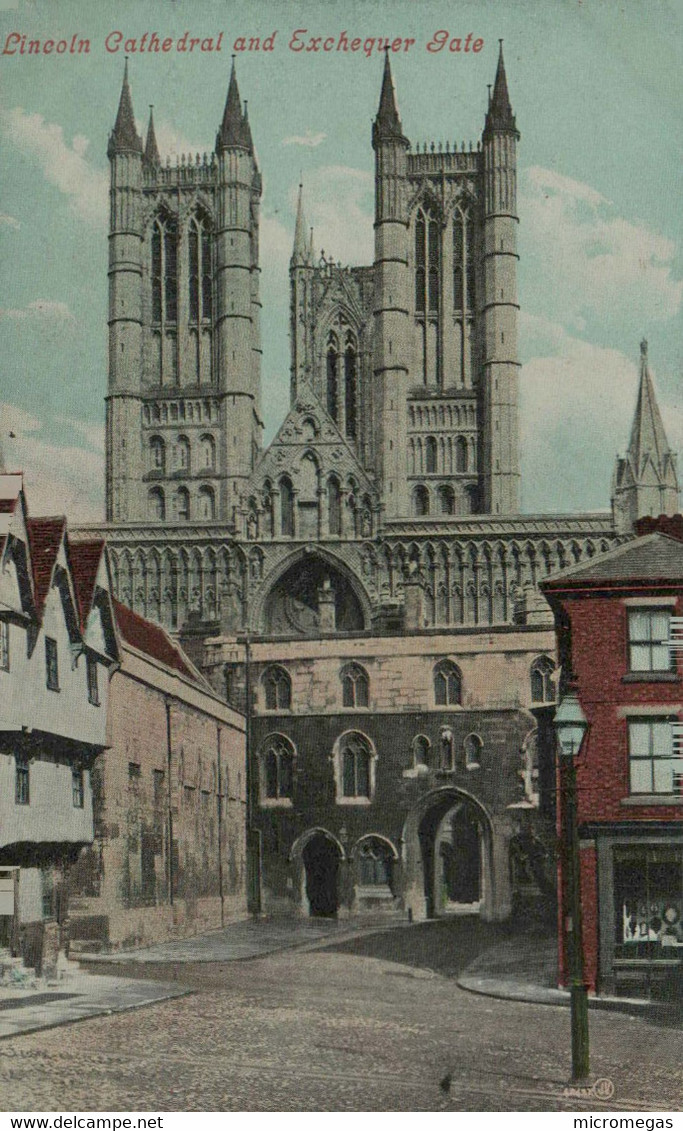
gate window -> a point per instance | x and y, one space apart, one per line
375 862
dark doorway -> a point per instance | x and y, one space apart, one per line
450 845
321 861
460 857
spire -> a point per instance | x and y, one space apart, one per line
499 116
124 137
232 131
151 153
300 252
648 438
387 123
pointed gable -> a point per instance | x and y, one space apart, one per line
93 594
46 536
309 429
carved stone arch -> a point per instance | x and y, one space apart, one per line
201 207
301 557
426 199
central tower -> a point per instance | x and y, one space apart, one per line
183 406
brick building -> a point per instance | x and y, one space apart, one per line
614 623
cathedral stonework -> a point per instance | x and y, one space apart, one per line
365 586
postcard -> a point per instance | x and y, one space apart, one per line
341 558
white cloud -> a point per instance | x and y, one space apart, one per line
64 166
339 204
577 405
40 310
170 143
308 139
58 480
9 222
587 261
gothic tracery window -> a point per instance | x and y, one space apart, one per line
355 686
350 386
199 248
375 863
287 508
332 373
542 685
164 270
277 689
356 758
157 505
447 684
277 768
428 290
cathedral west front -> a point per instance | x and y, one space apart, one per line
364 586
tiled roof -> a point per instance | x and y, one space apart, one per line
85 560
45 537
655 559
152 640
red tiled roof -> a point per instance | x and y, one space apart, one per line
45 537
152 640
85 560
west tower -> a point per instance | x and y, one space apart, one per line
183 406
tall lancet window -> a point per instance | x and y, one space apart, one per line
332 376
199 242
351 386
458 260
428 291
164 270
463 264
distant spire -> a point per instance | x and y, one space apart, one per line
648 438
151 153
232 131
300 253
124 137
645 481
499 116
387 123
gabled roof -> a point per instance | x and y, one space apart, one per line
154 642
85 563
328 439
654 559
45 538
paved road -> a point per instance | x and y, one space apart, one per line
335 1030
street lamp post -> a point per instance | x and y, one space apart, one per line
571 726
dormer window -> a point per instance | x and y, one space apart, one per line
92 680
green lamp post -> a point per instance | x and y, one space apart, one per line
571 726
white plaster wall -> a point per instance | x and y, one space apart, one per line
51 815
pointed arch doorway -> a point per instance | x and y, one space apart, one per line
448 840
321 855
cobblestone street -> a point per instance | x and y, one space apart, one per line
334 1030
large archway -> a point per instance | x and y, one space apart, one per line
312 594
321 858
448 852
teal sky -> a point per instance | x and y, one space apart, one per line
597 91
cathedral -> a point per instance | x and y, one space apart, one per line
365 586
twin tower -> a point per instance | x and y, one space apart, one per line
414 358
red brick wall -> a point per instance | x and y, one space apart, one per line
599 635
